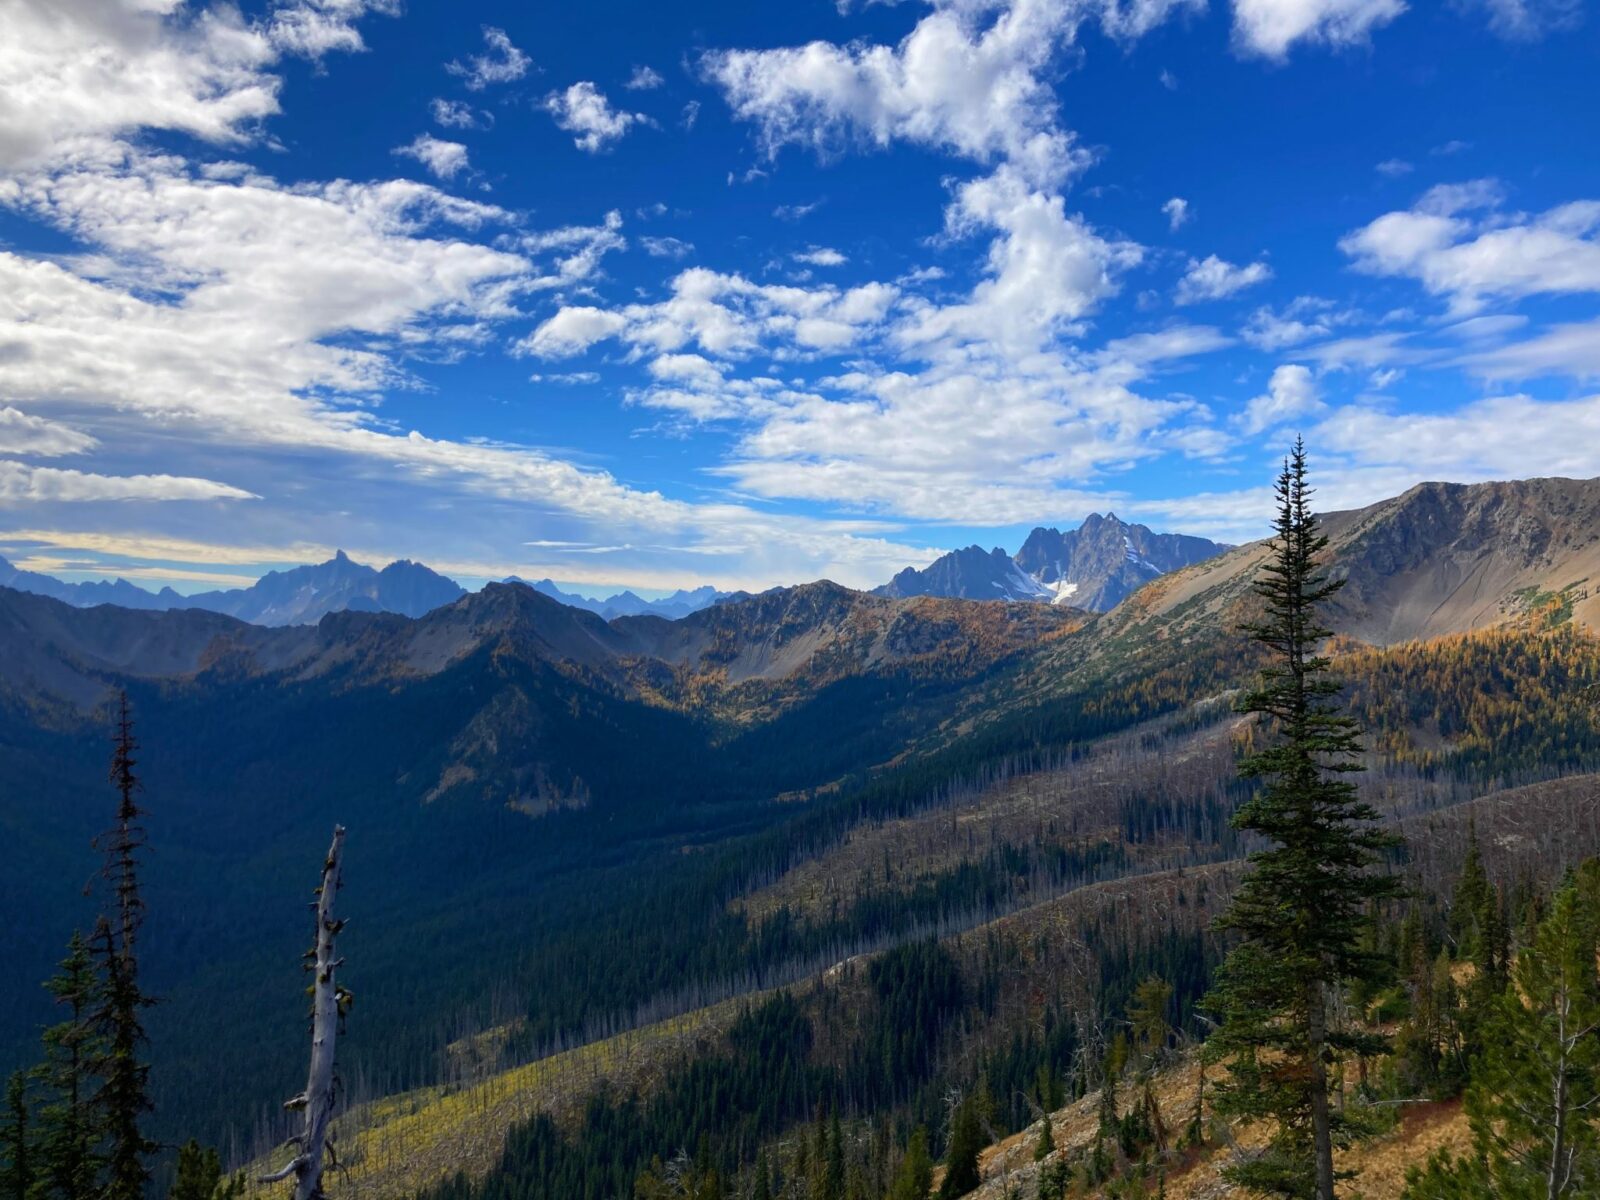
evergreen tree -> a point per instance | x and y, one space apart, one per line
763 1183
124 1096
16 1142
1302 910
1046 1144
199 1173
833 1162
915 1176
68 1162
966 1143
1054 1178
1534 1102
1467 904
1147 1018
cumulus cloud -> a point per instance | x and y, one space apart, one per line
83 68
1291 393
454 114
644 79
572 330
1269 28
952 83
444 159
584 111
723 315
314 28
1045 272
820 256
1458 244
500 62
1177 213
1213 278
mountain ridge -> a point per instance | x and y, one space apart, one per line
1095 566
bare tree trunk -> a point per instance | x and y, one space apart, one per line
1321 1122
327 1001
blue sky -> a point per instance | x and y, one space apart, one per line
648 296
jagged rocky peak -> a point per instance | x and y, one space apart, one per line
1095 566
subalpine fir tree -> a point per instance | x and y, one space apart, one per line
966 1143
1467 901
1534 1101
123 1098
68 1159
1302 909
16 1142
914 1177
833 1159
199 1173
1046 1145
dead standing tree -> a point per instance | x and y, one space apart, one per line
329 1002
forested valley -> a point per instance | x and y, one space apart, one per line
1004 922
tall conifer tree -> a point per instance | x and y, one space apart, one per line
1303 908
124 1095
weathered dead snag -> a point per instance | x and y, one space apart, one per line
329 1002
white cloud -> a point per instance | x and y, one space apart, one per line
444 159
584 110
1394 168
1529 20
21 433
1291 393
1503 437
952 83
1178 341
1213 278
314 28
1177 213
796 212
644 79
75 68
22 484
1572 350
573 330
501 62
666 247
820 256
579 250
724 315
1044 274
1457 244
1301 320
1270 27
454 114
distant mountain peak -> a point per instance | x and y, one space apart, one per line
1095 566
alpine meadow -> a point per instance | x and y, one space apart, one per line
842 600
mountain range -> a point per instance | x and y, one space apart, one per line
1095 567
627 604
304 595
555 815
